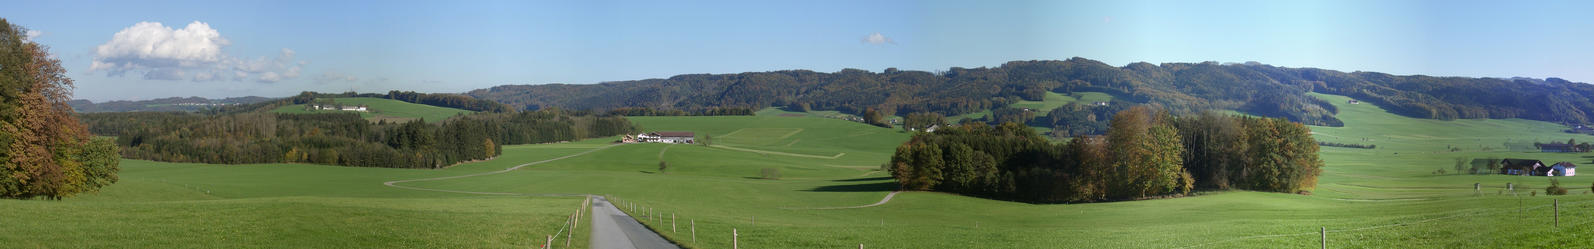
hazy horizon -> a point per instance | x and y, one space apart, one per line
137 51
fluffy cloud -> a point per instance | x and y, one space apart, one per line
33 34
877 38
193 53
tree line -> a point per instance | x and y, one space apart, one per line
1145 153
340 138
44 150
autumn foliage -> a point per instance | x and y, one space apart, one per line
44 150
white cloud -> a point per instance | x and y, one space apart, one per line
193 52
33 34
877 38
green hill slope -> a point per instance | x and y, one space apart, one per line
385 109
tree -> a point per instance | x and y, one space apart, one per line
707 140
663 166
1461 164
44 149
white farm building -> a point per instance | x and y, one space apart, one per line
674 137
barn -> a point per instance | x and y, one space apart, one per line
1511 166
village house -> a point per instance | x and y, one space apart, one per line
1511 166
1562 169
674 137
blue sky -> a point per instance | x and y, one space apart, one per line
278 48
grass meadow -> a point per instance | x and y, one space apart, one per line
1388 197
385 109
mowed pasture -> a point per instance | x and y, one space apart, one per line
180 205
384 109
1387 197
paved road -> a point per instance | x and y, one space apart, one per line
612 229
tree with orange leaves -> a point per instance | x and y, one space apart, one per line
44 150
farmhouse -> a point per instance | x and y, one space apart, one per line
1511 166
674 137
1563 169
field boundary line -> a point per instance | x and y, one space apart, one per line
881 202
789 134
838 155
394 183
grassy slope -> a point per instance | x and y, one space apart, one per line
1042 108
175 205
387 109
1366 198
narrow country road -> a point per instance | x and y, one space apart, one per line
612 229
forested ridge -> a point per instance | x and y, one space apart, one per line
340 138
1181 88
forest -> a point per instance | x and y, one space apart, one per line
1146 153
339 138
1181 88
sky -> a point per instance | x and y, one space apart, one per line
137 50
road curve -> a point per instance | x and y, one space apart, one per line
612 229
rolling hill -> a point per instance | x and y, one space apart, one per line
1252 88
384 109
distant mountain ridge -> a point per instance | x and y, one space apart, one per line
187 104
1179 87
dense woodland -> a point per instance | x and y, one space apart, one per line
339 138
44 150
1181 88
1146 153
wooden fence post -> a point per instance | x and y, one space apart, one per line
1324 233
571 233
672 223
548 244
694 230
734 245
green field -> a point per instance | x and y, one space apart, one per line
385 109
1367 198
1044 107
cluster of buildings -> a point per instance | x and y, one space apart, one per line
673 137
1532 167
330 107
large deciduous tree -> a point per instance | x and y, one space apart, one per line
44 150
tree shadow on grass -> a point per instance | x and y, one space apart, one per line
865 187
865 179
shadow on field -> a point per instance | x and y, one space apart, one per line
866 187
865 179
